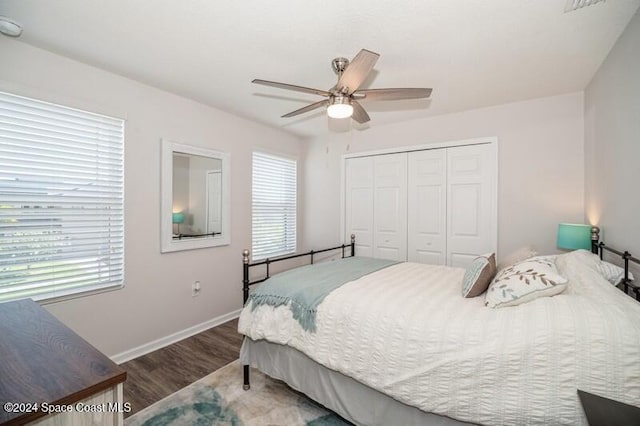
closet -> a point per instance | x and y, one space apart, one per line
435 206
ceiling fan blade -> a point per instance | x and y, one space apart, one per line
307 108
393 94
292 87
357 71
359 114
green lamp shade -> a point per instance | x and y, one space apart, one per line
178 217
573 236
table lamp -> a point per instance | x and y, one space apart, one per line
572 236
178 218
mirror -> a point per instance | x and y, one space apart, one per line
195 197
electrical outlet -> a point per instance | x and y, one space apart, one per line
195 289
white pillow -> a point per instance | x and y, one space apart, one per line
516 256
612 273
525 281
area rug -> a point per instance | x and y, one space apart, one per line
218 399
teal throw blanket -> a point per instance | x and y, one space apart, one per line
304 288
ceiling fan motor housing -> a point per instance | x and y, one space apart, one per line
339 65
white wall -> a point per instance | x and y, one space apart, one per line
612 143
541 166
156 300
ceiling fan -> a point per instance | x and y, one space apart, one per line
342 99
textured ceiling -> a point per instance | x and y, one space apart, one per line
473 53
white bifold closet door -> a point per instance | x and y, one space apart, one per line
435 206
376 205
390 206
471 203
427 207
359 203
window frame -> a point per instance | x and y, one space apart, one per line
24 126
289 247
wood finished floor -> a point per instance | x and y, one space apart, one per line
155 375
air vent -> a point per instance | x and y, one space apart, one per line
578 4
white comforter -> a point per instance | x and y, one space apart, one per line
407 332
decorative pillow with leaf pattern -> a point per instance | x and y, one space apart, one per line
525 281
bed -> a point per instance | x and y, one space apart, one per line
401 346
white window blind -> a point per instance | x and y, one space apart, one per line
61 200
273 206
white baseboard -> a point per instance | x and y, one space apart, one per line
172 338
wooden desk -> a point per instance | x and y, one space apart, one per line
51 375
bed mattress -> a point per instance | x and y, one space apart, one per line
407 332
349 398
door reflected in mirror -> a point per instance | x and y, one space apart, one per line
195 197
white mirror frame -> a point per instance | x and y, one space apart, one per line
167 243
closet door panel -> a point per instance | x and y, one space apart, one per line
471 203
359 203
435 206
390 206
427 207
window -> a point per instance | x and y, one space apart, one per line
61 200
273 206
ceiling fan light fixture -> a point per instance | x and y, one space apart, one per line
340 107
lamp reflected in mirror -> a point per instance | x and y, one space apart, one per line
178 218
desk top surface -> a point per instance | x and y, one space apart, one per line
42 360
607 412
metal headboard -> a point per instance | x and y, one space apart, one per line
246 282
598 247
246 265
